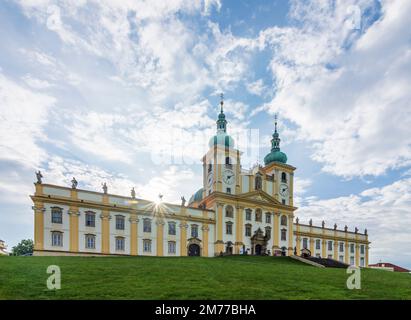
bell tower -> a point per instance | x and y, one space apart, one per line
221 163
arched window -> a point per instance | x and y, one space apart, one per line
56 215
283 177
283 220
227 160
258 215
229 211
90 219
146 225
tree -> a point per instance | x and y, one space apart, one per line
24 247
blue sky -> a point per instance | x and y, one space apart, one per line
98 89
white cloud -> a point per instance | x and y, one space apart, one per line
23 115
257 87
36 83
356 111
383 211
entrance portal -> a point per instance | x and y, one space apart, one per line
193 250
258 248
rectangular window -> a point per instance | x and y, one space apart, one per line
172 228
305 243
194 231
147 225
330 245
248 214
147 245
318 244
283 234
341 246
362 262
90 220
90 241
119 222
352 261
267 218
352 247
56 215
229 228
362 249
120 244
341 258
172 247
57 239
248 230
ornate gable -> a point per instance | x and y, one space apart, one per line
260 196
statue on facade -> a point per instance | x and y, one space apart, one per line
335 226
297 220
104 186
323 224
356 230
74 183
39 176
258 182
365 231
311 222
345 228
183 201
133 193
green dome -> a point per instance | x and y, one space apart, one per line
221 139
275 156
196 197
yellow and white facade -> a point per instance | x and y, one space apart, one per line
236 211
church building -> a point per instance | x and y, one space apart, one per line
237 211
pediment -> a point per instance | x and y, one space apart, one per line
260 196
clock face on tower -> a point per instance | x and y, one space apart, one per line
228 177
210 179
283 189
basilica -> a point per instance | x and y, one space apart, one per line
236 211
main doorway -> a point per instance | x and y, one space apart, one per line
258 249
193 250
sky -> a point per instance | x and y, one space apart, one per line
127 93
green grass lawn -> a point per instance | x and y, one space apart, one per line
235 277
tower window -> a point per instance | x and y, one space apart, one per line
283 177
229 190
283 201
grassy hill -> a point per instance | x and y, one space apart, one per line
235 277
